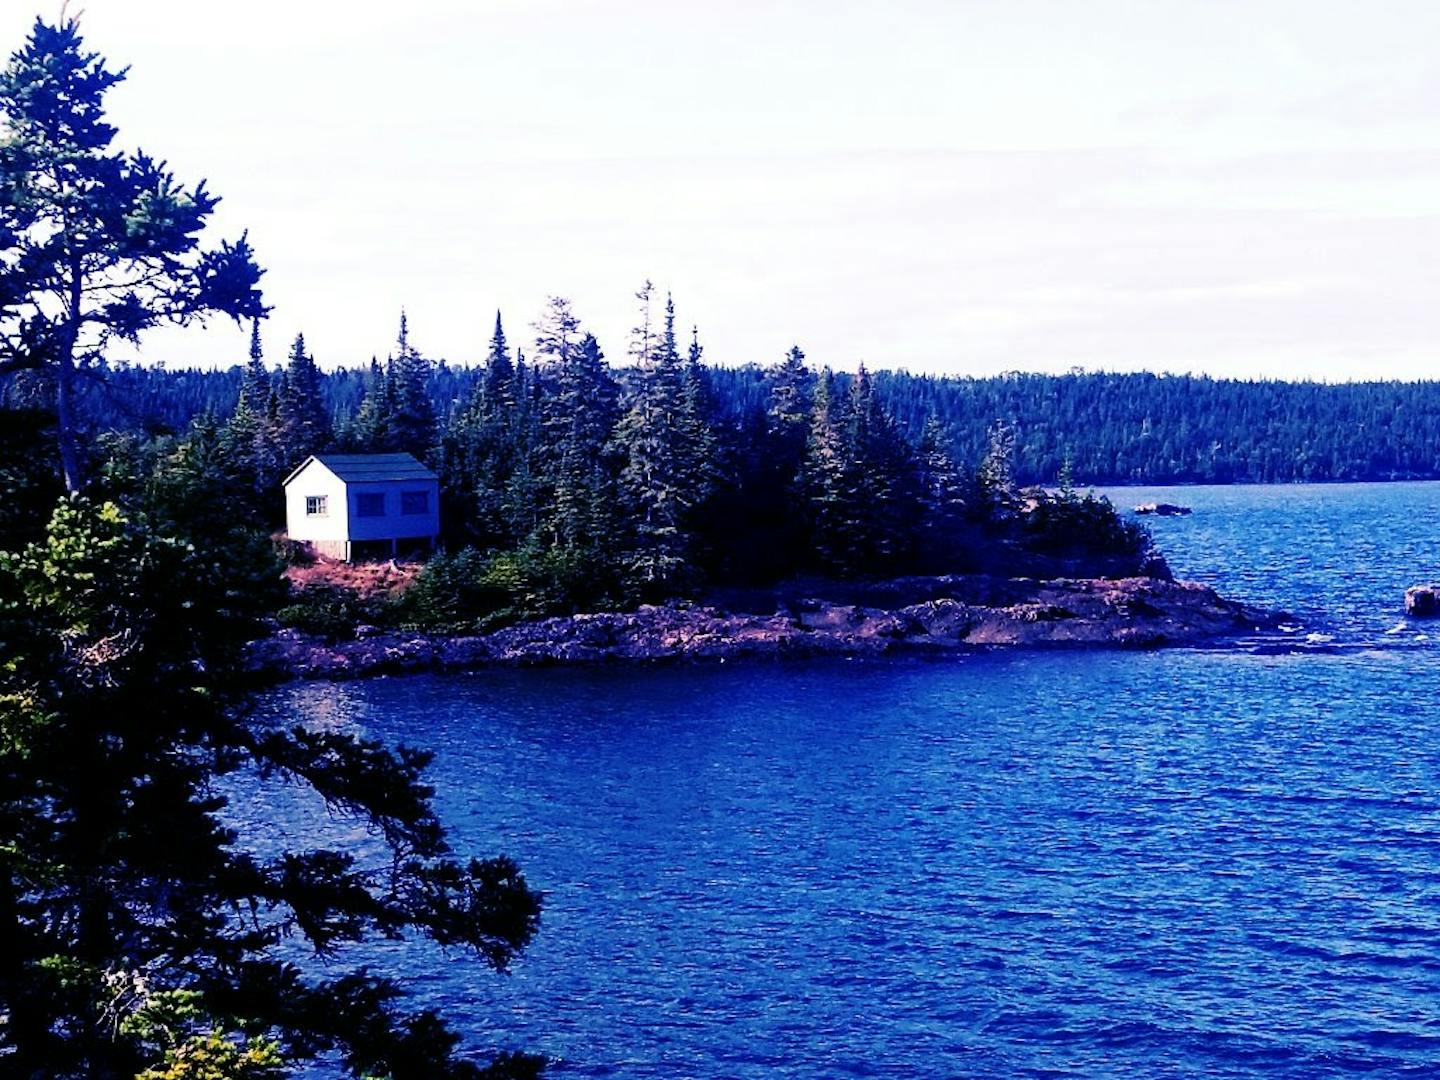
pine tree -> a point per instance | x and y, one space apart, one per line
521 507
498 383
641 342
881 471
246 440
577 419
942 502
791 396
413 424
303 420
255 384
996 474
479 453
658 478
97 243
373 427
583 411
700 443
826 482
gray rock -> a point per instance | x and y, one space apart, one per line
1423 601
918 615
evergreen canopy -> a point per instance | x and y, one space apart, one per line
95 243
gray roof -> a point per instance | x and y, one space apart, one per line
357 468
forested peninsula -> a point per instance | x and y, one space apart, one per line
636 512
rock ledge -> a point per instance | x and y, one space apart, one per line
914 615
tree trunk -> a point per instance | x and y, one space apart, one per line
65 422
65 386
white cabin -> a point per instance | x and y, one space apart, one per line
351 506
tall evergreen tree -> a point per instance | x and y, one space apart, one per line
498 389
791 396
248 418
642 342
303 420
413 424
583 414
659 479
479 453
373 429
246 441
942 489
702 446
826 480
881 471
577 419
95 244
996 473
255 385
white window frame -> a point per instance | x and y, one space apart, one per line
317 506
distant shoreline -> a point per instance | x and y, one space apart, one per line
911 616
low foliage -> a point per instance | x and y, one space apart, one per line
139 929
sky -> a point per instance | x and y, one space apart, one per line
1245 189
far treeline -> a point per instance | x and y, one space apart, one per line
1111 428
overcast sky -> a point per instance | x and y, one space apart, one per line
1247 188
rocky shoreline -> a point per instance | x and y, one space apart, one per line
913 615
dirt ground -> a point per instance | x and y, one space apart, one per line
364 579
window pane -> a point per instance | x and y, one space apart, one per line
370 505
414 502
315 506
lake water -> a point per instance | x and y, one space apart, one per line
1217 862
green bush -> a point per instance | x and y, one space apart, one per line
1071 524
451 594
471 592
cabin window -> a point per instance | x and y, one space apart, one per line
315 506
370 504
414 502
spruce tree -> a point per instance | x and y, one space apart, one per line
996 474
881 473
791 395
413 424
303 420
246 438
577 419
521 507
96 244
373 429
254 389
826 481
942 502
498 383
479 452
658 479
700 443
584 409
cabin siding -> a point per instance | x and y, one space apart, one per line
315 480
392 524
343 524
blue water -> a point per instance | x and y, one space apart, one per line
1205 862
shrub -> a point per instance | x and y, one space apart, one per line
1074 525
